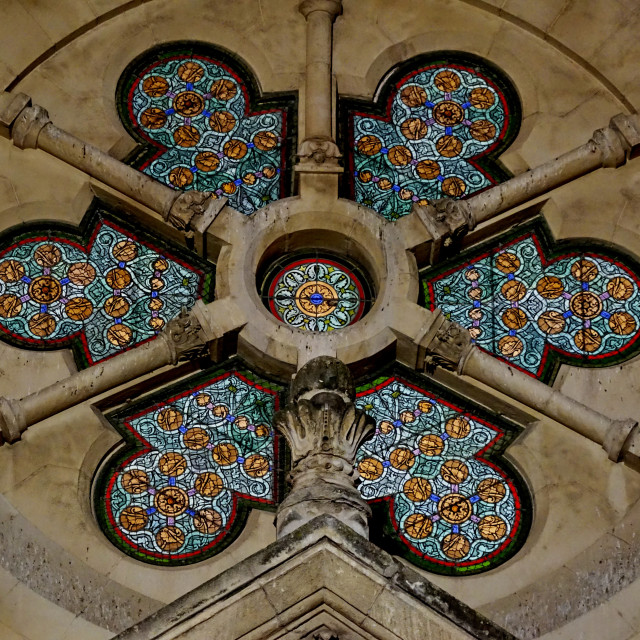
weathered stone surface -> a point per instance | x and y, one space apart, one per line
324 430
56 575
564 97
323 566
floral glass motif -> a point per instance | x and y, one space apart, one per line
441 122
453 509
316 294
112 293
194 111
521 306
201 457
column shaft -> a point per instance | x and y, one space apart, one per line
535 182
447 344
318 87
611 434
107 169
94 381
447 221
318 152
29 127
189 335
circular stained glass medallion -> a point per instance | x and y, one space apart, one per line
316 293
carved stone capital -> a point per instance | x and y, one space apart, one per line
195 210
12 422
324 430
617 437
319 151
332 7
447 222
447 345
619 142
28 125
11 106
185 337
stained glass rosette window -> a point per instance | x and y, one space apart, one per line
523 307
316 293
110 292
443 124
193 111
452 508
202 457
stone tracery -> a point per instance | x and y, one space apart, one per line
319 159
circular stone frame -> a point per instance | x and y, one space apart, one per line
241 246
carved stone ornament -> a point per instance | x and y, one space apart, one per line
323 634
448 347
447 222
319 150
619 142
187 206
324 430
185 337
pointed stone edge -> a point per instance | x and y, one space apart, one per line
323 529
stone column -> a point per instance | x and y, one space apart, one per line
319 147
29 127
324 430
449 345
447 220
190 335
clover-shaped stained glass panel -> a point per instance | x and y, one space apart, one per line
535 303
432 473
191 107
101 289
434 132
196 458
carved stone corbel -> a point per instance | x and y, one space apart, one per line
324 430
446 345
194 210
447 222
185 336
319 151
